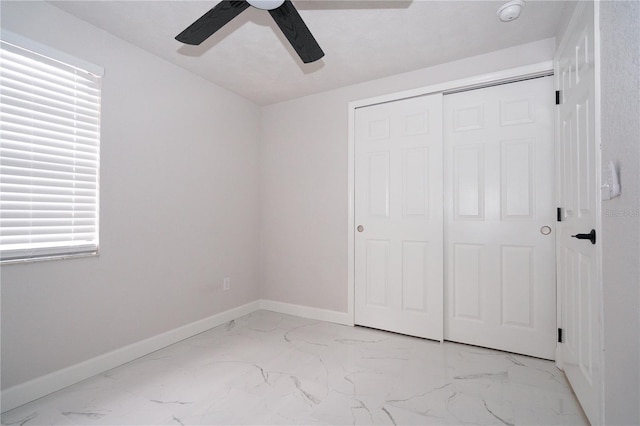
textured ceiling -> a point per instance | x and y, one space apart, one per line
362 39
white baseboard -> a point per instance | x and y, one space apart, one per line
41 386
307 312
37 388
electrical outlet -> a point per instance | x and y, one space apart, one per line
226 283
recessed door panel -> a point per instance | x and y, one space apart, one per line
467 281
469 182
377 259
416 123
378 168
415 183
378 129
517 280
468 117
415 275
514 112
585 315
583 159
570 293
567 172
517 179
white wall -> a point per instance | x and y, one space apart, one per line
179 210
303 178
620 87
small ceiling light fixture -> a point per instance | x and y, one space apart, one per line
510 10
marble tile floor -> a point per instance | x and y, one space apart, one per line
268 368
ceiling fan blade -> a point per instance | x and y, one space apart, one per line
296 31
212 21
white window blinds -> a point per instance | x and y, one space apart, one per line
49 156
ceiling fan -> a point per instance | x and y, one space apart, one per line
282 11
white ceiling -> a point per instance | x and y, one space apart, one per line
362 39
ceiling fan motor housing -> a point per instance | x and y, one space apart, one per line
266 4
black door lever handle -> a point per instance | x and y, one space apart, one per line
591 236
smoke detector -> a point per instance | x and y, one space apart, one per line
510 10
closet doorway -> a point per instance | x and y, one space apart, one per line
454 219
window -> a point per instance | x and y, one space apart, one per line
49 153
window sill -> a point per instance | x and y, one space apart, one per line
50 258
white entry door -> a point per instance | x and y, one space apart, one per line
579 198
500 217
398 216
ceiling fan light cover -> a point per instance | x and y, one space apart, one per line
266 4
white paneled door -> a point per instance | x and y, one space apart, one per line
398 216
500 217
579 198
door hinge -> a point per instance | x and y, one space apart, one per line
559 214
557 97
559 335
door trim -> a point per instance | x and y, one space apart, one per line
515 74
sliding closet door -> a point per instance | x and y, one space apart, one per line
500 218
398 217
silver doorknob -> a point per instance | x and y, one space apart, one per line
545 230
360 228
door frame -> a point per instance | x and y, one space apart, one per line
541 69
